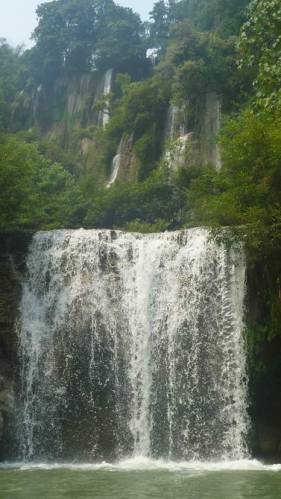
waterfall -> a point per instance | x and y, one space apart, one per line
132 345
115 168
116 163
174 127
171 122
122 163
103 117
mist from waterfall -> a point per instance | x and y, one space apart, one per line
132 345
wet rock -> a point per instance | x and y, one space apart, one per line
13 250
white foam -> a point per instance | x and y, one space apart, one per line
148 464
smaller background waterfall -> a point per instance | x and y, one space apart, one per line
103 117
174 127
122 166
115 167
132 345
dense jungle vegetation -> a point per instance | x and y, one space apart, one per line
231 47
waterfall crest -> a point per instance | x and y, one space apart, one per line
132 345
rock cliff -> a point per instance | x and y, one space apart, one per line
13 250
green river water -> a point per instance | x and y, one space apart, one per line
171 481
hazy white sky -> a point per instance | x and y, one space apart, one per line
18 18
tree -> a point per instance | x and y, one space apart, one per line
159 25
149 203
260 48
76 36
223 16
35 193
245 194
202 62
11 70
122 45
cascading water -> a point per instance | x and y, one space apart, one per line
116 163
103 117
174 126
122 162
132 345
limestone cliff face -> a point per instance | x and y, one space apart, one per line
13 250
124 165
71 103
187 140
70 110
208 127
192 139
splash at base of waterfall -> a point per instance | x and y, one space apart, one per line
148 464
132 345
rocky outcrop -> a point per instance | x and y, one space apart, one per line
124 164
71 102
209 122
192 139
13 249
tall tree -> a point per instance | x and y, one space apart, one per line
225 16
75 36
260 48
11 69
159 26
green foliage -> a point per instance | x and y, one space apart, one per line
159 26
148 150
202 62
140 111
35 193
143 203
221 16
52 151
142 104
75 36
260 48
11 72
246 192
58 197
137 225
16 175
97 158
121 44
